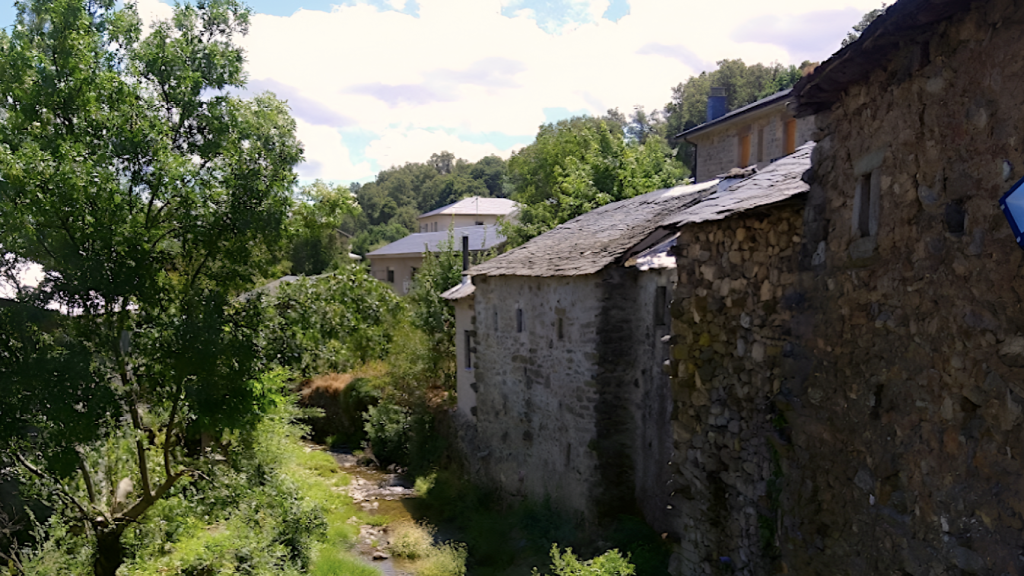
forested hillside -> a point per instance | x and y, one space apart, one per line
572 167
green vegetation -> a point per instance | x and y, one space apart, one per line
610 563
861 26
274 509
391 203
743 84
331 323
579 164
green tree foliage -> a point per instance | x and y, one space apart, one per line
611 563
743 85
861 26
319 212
148 196
434 315
391 203
577 165
331 323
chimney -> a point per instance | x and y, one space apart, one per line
465 253
716 104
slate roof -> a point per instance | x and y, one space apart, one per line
476 205
906 20
480 238
780 96
460 290
588 243
779 181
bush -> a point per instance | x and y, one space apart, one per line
611 563
331 323
388 430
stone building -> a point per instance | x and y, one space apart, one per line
396 264
562 360
857 408
754 135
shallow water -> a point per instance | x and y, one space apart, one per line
378 493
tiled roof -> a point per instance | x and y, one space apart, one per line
480 238
476 205
588 243
779 181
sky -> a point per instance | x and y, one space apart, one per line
377 83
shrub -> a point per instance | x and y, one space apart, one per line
611 563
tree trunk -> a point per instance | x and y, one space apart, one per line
109 551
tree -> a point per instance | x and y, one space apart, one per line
313 226
434 315
577 165
149 196
861 26
743 85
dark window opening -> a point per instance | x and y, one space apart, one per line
561 333
864 207
660 299
469 354
479 223
519 319
391 276
955 218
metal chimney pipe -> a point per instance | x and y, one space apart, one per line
465 253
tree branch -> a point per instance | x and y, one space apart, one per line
133 409
61 490
86 475
168 438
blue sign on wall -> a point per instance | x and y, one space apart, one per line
1012 204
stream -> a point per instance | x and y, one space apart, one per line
378 493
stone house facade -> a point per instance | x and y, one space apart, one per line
753 135
568 337
865 408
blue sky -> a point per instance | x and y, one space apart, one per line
374 83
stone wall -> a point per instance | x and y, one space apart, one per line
718 149
536 392
575 406
730 321
906 430
892 400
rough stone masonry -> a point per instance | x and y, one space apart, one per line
849 387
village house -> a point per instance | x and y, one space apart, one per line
561 344
473 211
856 408
473 218
754 135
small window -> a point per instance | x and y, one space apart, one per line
414 269
561 331
391 276
790 143
660 298
495 320
519 319
435 226
864 207
468 354
479 223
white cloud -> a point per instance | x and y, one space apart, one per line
462 66
399 145
326 155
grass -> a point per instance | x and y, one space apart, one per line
511 538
